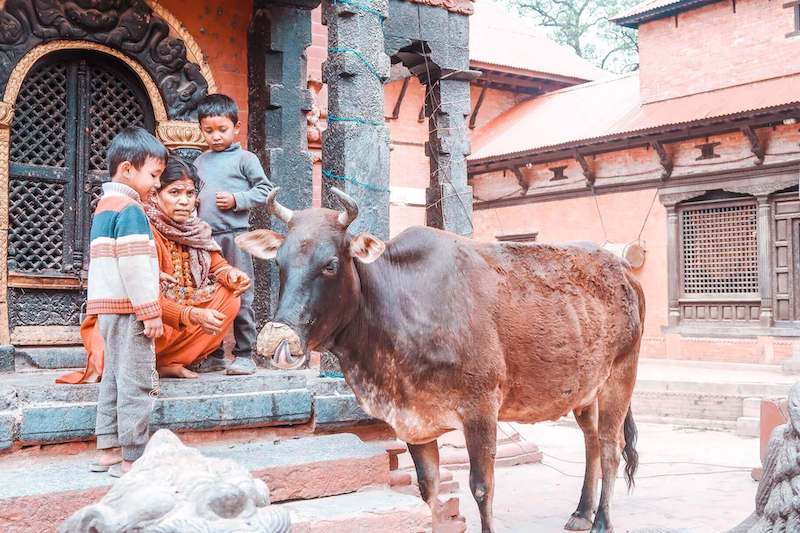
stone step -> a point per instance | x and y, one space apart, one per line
456 457
751 407
367 511
36 410
719 393
748 426
306 468
51 357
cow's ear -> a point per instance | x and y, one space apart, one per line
366 248
262 243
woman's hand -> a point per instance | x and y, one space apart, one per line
238 281
210 320
165 278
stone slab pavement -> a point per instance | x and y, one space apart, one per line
689 481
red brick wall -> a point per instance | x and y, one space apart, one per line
220 28
577 220
713 47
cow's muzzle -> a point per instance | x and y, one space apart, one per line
280 343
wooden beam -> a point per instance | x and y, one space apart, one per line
474 115
517 83
523 183
587 169
665 134
400 97
756 146
664 159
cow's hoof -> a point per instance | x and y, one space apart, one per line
578 523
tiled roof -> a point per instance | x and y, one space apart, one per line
611 109
656 9
498 37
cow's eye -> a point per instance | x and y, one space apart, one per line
332 267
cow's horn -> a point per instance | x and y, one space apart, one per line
274 208
350 212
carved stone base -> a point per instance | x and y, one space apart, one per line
329 364
7 358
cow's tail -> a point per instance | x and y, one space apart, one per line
629 452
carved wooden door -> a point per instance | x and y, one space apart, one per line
69 108
786 258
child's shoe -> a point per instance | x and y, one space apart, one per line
212 363
241 366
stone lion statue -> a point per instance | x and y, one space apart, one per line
778 493
175 489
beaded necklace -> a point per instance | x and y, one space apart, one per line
184 291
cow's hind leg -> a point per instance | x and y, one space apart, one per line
581 519
426 463
614 403
481 438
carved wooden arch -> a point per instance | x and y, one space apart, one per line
143 30
175 134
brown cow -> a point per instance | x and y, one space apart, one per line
436 332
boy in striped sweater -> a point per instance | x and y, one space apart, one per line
124 294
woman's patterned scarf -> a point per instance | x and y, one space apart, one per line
195 234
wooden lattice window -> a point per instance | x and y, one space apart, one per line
69 108
719 245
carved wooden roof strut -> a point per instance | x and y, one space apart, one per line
464 7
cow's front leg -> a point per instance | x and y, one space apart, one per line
481 437
426 463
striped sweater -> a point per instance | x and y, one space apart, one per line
123 266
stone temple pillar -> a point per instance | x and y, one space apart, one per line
278 37
449 198
355 145
433 43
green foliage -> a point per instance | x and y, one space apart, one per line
584 26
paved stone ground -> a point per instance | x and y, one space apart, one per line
679 488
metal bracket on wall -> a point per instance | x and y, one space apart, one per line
663 158
588 172
756 146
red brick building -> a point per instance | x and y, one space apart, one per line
695 157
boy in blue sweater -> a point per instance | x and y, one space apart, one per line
233 183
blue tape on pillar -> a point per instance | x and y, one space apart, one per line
370 187
360 56
332 118
363 7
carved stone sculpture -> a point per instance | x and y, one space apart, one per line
175 489
778 494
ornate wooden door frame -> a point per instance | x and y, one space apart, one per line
175 134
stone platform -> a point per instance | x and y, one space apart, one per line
35 410
706 395
334 483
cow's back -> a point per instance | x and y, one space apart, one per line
563 314
452 320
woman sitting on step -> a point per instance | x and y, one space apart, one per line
199 289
